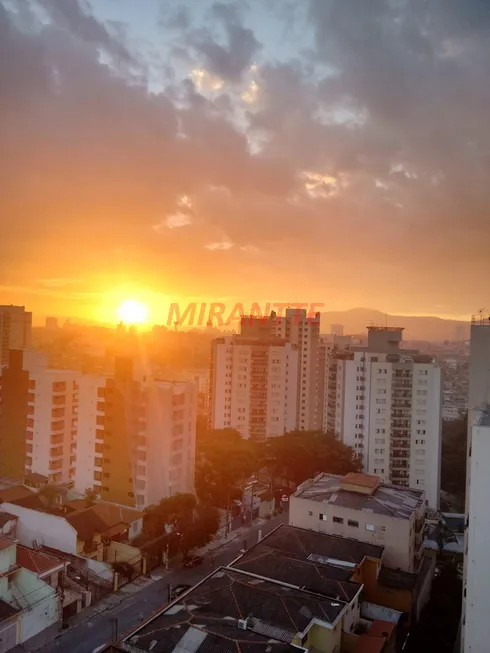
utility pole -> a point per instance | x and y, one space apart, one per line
115 629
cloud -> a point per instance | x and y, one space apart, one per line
363 152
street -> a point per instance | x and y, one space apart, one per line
138 607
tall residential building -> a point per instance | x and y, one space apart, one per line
15 330
303 332
386 403
476 590
475 629
38 418
253 385
145 438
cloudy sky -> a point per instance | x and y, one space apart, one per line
334 151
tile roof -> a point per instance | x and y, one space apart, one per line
5 542
389 500
86 523
368 644
381 629
103 517
36 561
7 610
32 501
302 543
34 477
206 618
14 492
396 578
5 517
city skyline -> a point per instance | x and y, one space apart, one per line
235 150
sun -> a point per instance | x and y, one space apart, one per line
132 311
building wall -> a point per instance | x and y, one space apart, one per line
13 417
388 408
396 535
44 604
53 423
478 396
476 587
15 330
43 528
254 386
8 558
87 433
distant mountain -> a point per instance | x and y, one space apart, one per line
356 320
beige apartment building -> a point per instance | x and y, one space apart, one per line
253 385
359 506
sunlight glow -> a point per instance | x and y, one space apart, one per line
132 311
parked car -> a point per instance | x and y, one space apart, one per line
193 561
178 590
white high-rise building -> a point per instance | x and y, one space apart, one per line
303 332
386 403
15 330
254 385
475 627
476 592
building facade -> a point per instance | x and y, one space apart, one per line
145 438
474 625
39 418
15 330
254 385
386 403
361 507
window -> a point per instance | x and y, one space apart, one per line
322 517
310 513
351 522
338 520
371 527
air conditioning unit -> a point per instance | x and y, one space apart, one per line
242 624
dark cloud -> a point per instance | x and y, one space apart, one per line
227 60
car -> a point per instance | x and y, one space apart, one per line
178 590
193 561
284 498
124 569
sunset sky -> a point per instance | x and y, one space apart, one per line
333 151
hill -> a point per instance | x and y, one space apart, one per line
417 327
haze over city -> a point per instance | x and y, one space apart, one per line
318 151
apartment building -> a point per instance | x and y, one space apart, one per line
38 418
254 385
15 330
145 437
475 629
386 403
361 507
476 592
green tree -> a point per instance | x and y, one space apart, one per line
177 511
90 497
299 455
50 494
225 461
202 530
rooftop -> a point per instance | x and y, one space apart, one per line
328 551
14 492
483 418
6 611
36 561
6 542
5 517
389 500
205 619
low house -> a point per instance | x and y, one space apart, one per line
37 605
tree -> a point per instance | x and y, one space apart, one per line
177 511
226 460
299 455
50 494
202 530
90 497
453 463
